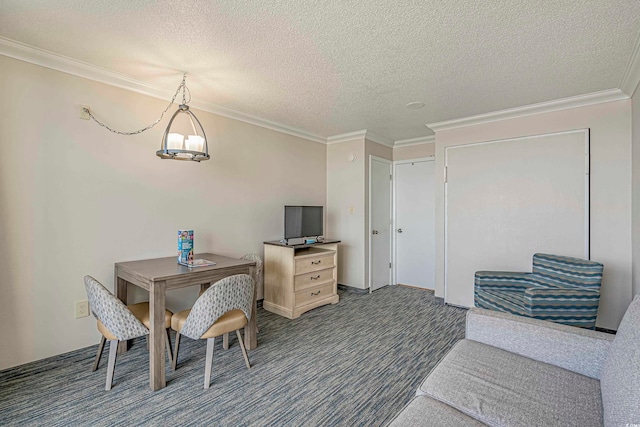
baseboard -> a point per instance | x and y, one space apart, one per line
347 288
415 287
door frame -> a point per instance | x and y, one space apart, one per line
370 228
394 217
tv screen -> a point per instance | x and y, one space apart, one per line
302 221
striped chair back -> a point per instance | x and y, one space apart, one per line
555 271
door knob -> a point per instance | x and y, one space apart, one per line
399 230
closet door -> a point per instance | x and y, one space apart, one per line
415 223
507 199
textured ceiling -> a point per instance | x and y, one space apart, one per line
332 67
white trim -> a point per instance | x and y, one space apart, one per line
390 163
430 139
360 134
631 76
77 68
344 137
416 160
587 192
543 107
378 139
394 217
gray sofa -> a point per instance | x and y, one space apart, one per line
516 371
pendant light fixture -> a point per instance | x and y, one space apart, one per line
175 145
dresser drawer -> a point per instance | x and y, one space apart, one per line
313 279
314 263
313 294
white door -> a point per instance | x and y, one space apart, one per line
379 223
415 223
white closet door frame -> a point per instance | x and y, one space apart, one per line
587 254
394 263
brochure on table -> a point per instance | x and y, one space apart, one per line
185 251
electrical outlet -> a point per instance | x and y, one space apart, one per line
84 112
82 309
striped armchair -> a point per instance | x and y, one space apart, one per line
559 289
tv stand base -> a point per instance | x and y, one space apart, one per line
299 278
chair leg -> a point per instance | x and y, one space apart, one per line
99 354
225 341
174 362
113 348
207 369
167 344
244 350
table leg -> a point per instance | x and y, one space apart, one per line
121 294
156 337
204 287
250 331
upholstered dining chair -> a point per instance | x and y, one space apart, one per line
259 267
257 277
559 289
118 322
224 307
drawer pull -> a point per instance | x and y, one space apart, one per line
316 263
315 293
315 278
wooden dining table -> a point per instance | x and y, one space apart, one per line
159 275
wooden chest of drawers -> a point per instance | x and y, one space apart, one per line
299 278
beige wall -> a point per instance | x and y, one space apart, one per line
346 208
635 194
414 151
75 198
610 125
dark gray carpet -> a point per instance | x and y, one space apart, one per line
354 363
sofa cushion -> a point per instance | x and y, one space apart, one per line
424 411
620 376
501 388
579 350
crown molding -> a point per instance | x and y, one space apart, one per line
631 77
360 134
527 110
77 68
378 139
349 136
430 139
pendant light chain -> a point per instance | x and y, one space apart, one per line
182 86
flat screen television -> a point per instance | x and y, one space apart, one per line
303 221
